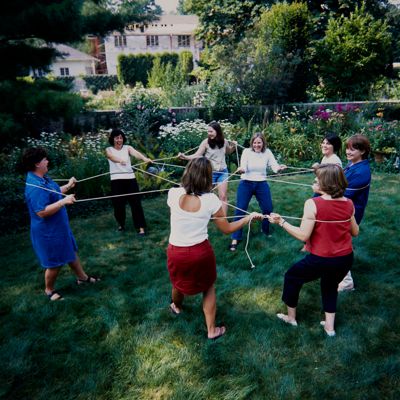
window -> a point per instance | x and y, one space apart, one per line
183 41
152 41
119 40
64 71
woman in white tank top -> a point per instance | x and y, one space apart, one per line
123 180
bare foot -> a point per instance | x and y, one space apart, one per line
174 309
218 332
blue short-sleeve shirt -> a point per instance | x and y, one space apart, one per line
52 239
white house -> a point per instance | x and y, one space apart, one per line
171 33
72 63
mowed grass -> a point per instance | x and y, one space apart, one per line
118 340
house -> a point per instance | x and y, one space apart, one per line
72 63
171 33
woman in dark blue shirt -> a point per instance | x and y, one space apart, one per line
52 239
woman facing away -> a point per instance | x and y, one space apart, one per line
253 165
215 148
123 181
52 239
190 256
327 226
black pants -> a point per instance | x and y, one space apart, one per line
331 271
122 186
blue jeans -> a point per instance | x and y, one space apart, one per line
245 192
220 176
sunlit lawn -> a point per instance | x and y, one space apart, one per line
118 340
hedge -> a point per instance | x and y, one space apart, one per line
135 68
100 82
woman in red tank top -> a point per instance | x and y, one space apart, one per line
327 227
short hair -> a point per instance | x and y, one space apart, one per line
331 180
114 133
335 141
262 137
361 143
219 139
197 178
32 156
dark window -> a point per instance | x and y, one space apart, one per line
120 40
183 41
64 71
152 41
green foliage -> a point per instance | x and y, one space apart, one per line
353 54
223 22
100 82
186 64
135 68
142 116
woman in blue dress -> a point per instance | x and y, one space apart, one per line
52 239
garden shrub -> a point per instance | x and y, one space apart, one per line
134 68
95 83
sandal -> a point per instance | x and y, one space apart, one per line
89 279
221 331
54 293
174 309
233 246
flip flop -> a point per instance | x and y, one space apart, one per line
329 333
221 331
173 309
284 318
54 292
89 279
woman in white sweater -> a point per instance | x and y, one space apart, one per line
191 259
253 166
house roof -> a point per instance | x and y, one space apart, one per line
167 25
71 54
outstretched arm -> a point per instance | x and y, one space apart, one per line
137 154
229 227
199 153
303 232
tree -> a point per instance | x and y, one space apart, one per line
354 53
225 21
27 29
272 62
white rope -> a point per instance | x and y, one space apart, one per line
170 165
121 195
157 176
252 266
48 190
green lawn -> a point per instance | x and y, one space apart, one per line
118 340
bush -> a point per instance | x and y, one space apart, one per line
134 68
95 83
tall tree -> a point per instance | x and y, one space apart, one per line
355 51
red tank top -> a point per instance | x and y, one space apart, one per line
331 239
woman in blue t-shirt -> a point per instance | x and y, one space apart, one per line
52 239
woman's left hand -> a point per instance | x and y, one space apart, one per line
282 167
148 160
71 183
274 218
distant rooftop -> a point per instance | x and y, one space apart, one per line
71 54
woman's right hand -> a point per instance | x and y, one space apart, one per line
254 215
181 156
123 162
68 200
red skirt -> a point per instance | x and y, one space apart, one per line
192 269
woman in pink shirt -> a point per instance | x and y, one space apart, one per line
327 227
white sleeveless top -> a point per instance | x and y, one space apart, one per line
216 156
190 228
117 170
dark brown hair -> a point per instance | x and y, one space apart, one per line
114 133
197 178
331 180
262 137
335 141
361 143
219 139
32 156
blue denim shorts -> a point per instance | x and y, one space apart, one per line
220 176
